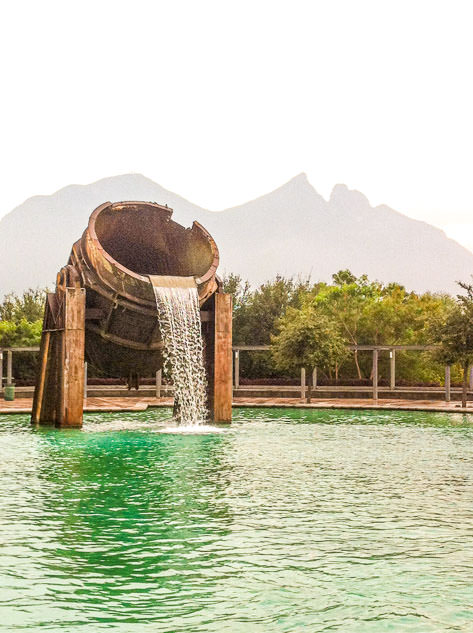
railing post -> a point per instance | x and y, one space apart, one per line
447 383
470 386
302 383
392 368
85 381
375 375
9 367
309 388
159 382
314 378
237 369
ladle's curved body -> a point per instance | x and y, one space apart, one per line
124 243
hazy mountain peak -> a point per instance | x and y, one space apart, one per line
348 199
291 230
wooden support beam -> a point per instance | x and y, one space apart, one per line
222 400
375 375
218 358
217 333
41 380
73 346
59 393
302 383
314 378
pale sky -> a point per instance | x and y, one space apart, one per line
224 101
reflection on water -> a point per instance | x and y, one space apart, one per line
286 521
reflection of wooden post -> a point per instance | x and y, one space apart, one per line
59 393
218 357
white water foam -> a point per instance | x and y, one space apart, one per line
180 326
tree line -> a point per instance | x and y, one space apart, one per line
310 325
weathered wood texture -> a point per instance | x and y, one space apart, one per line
222 406
217 334
59 393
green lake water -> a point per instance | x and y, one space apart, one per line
286 521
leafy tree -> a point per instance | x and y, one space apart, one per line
28 306
256 314
455 335
346 302
308 338
21 319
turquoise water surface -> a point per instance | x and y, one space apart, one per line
286 521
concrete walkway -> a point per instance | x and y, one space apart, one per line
23 405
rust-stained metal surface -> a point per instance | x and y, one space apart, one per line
125 243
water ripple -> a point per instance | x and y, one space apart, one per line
285 522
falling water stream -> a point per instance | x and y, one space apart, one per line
179 321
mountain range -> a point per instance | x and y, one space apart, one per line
290 231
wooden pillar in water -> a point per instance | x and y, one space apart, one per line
218 357
59 393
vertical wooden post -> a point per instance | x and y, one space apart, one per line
302 383
1 372
447 383
375 375
221 405
41 381
159 382
392 368
237 369
314 378
73 357
85 381
9 367
470 385
59 393
309 387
